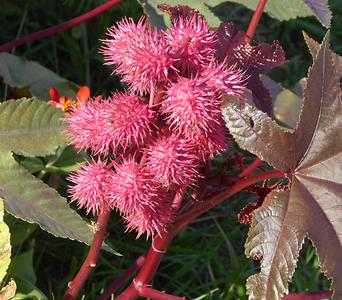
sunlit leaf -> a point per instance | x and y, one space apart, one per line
5 245
312 204
8 291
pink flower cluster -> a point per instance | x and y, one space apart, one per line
153 139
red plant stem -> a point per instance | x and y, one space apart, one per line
122 279
256 163
255 20
160 244
309 295
147 292
202 207
177 200
58 28
75 286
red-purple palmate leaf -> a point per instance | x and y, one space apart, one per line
235 48
246 213
311 156
314 47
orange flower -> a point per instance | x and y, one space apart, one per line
66 103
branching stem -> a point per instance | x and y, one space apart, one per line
122 279
254 165
160 244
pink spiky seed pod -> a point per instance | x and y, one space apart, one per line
223 79
191 41
129 190
144 205
173 161
130 121
114 124
140 54
150 220
191 106
212 142
90 190
86 127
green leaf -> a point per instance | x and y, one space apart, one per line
22 267
162 20
20 230
5 245
31 200
32 164
22 271
20 73
30 127
281 10
28 291
312 204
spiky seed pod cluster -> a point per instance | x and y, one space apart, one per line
162 130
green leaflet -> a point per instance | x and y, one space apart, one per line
281 10
33 128
31 200
312 205
30 127
291 9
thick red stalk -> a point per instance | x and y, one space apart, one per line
58 28
309 295
202 207
122 279
75 286
160 244
255 164
255 19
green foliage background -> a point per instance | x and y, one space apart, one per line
207 260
